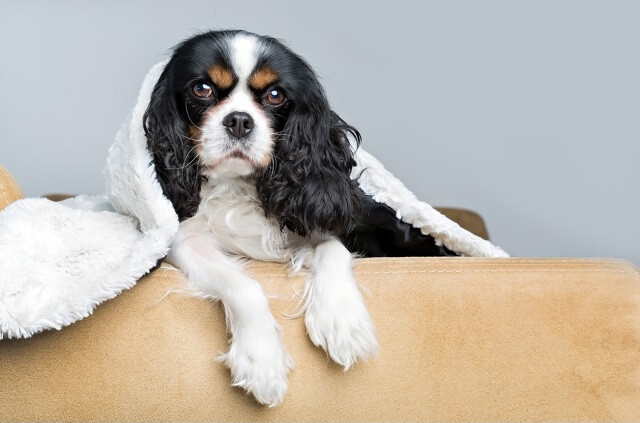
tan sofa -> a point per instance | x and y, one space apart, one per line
462 339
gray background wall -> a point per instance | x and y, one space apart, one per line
524 111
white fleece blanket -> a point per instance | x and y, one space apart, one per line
58 261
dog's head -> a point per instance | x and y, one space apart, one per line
233 104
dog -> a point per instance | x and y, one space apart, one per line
257 165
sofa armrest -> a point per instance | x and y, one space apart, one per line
468 219
461 339
9 188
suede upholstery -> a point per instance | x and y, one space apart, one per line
461 339
9 189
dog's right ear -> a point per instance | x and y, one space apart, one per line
174 155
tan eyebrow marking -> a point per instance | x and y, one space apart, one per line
223 78
262 78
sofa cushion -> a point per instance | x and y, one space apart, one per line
461 339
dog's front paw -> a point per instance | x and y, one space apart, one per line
338 321
259 364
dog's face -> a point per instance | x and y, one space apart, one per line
234 104
235 90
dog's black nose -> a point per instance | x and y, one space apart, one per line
239 124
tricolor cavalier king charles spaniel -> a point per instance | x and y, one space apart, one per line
258 166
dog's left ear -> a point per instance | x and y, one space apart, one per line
308 184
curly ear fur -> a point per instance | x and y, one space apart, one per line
174 156
307 185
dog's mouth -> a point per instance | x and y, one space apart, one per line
233 158
237 154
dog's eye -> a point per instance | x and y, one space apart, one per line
274 97
202 90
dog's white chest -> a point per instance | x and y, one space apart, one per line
236 218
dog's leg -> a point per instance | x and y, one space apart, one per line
257 358
336 315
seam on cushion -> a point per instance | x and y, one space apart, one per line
184 277
152 276
620 272
413 258
617 272
422 262
523 266
409 271
403 261
591 265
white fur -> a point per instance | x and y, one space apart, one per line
235 215
244 52
216 142
231 223
256 358
336 316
